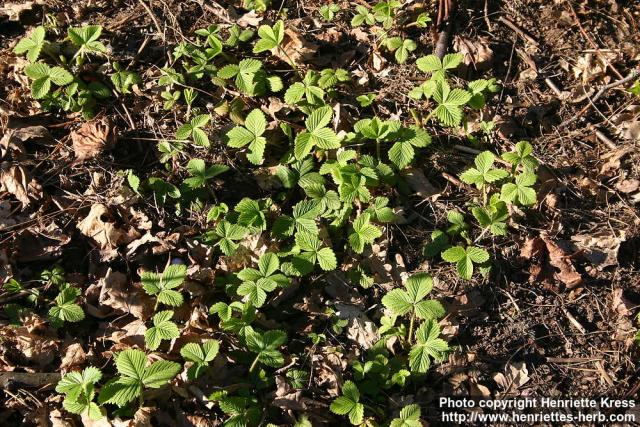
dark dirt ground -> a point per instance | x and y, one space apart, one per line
573 342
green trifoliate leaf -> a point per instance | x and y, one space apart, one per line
200 355
520 191
65 308
364 233
270 37
200 173
317 134
163 285
483 173
266 347
409 417
438 69
250 134
194 130
401 302
450 102
428 346
163 329
32 45
349 403
229 234
522 156
465 259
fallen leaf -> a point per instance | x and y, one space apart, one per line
294 47
550 254
249 19
13 140
477 53
105 233
115 292
420 184
16 181
14 10
600 248
515 376
359 329
74 356
628 185
93 138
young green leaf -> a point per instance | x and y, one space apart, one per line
134 376
317 134
450 102
364 233
428 346
349 403
65 308
270 37
409 417
229 234
200 355
363 15
522 156
86 38
194 130
200 173
163 285
328 11
483 173
32 45
43 76
163 329
79 390
250 134
520 191
266 347
438 69
312 253
465 259
401 302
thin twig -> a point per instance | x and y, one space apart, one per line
518 31
154 19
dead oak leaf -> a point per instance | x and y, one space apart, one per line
93 138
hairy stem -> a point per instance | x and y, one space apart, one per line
411 322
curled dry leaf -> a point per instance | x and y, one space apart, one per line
93 138
554 261
13 140
420 184
16 181
74 356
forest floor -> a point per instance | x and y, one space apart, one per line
555 317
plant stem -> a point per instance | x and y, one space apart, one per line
254 364
410 337
378 149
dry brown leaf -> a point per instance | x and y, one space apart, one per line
477 53
600 248
628 185
13 140
14 9
15 180
294 48
249 19
420 184
33 348
550 254
74 355
115 292
620 304
105 233
359 329
515 376
93 138
628 122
